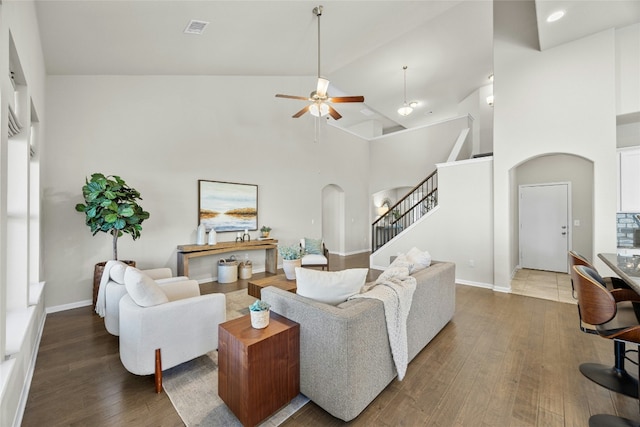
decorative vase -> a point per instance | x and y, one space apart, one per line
213 237
289 267
264 234
200 234
259 319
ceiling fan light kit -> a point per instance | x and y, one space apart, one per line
320 98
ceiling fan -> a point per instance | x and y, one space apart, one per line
319 98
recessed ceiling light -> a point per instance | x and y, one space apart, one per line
195 27
555 16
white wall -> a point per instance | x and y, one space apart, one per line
162 134
475 104
545 103
458 230
628 69
405 158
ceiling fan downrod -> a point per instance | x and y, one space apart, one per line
318 12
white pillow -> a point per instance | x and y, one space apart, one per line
143 289
401 261
331 287
116 272
419 259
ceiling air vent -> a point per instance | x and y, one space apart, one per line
195 27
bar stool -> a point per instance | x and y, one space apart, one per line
615 378
601 307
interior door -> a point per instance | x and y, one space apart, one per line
544 226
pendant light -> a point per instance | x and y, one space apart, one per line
406 109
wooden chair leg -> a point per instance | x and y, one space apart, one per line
158 373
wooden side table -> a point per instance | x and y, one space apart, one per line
258 369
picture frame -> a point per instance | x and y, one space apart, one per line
227 206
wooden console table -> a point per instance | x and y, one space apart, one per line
185 252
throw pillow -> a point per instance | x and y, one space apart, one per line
143 290
419 259
313 246
401 261
116 272
330 287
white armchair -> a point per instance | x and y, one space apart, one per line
314 253
112 289
164 326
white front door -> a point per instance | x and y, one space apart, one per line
544 226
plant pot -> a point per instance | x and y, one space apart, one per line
289 267
98 269
259 319
264 234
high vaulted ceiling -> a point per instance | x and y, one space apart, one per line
447 45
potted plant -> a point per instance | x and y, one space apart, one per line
264 231
111 207
259 314
290 260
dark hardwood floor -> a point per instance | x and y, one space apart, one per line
504 360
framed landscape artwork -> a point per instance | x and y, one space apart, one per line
227 206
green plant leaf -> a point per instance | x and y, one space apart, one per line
80 207
119 224
111 218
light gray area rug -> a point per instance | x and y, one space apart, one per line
192 387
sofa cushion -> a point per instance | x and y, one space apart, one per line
330 287
314 259
144 291
116 272
313 246
419 260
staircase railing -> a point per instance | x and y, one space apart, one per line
415 204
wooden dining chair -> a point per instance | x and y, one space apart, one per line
613 318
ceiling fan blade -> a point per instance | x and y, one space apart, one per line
301 112
346 99
323 85
333 113
304 98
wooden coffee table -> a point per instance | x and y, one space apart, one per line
254 287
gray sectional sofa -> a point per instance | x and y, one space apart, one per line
345 357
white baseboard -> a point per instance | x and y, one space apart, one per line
70 306
475 284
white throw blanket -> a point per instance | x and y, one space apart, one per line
394 287
101 306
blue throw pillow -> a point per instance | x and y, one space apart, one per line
313 246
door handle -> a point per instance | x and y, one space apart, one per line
564 233
564 227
